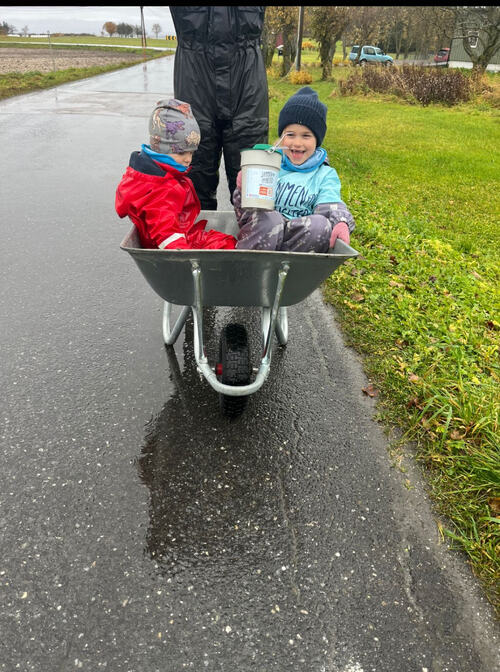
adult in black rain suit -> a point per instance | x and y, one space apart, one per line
219 70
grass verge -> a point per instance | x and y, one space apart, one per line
14 41
422 302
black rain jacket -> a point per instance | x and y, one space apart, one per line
219 70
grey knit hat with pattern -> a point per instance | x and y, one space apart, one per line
173 128
305 108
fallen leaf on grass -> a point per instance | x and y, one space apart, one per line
456 436
357 297
491 324
393 259
370 390
413 378
476 275
393 283
494 504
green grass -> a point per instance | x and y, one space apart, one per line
422 302
88 39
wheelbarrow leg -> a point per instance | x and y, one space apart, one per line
171 334
281 327
274 316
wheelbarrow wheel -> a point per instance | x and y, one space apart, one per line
234 366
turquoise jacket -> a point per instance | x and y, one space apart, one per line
301 188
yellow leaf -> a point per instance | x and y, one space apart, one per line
494 504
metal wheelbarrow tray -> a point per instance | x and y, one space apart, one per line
198 278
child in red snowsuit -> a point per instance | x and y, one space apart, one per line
155 191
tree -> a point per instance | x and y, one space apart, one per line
25 31
156 28
110 28
124 29
283 21
267 42
137 31
7 29
327 25
479 26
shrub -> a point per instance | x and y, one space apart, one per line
308 46
426 85
300 77
273 72
353 85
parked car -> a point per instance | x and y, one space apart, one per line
370 54
280 49
442 55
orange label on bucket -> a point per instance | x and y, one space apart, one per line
265 191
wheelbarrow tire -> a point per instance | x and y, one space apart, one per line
234 355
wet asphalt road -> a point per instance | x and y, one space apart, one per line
142 532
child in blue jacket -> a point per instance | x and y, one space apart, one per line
309 213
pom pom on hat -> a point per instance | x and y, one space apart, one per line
305 108
173 128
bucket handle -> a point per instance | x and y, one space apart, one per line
276 144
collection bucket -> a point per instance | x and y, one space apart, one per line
259 177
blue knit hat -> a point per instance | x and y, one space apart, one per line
305 108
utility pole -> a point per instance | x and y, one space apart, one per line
51 52
299 38
143 35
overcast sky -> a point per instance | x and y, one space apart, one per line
82 18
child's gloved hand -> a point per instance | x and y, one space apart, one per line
340 230
238 180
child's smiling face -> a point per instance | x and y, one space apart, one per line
299 143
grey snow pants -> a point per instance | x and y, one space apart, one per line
270 230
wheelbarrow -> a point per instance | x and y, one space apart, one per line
195 279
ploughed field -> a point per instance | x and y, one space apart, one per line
43 60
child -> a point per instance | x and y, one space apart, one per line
155 191
309 214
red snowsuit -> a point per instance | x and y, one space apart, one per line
163 205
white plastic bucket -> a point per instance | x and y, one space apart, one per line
259 178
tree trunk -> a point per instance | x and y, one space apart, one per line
287 59
289 52
397 40
267 46
325 51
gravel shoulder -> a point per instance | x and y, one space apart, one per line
44 60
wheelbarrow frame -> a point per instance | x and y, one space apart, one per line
194 279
